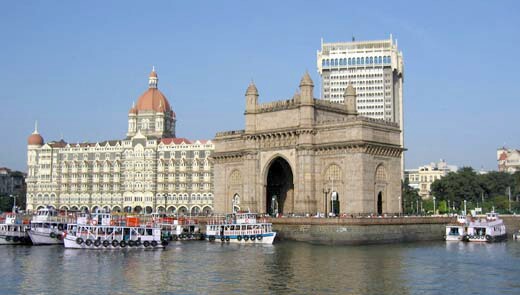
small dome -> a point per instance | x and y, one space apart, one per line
35 139
133 110
306 80
153 74
350 91
251 89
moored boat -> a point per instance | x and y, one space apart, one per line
47 226
456 231
100 231
177 228
240 228
490 229
13 230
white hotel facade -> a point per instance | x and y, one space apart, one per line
375 69
151 170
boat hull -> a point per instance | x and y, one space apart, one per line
44 238
267 238
485 239
14 240
70 242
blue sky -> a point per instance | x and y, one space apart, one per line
77 67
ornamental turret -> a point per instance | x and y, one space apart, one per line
350 99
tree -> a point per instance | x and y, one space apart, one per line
410 197
457 187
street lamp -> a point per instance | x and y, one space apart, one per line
433 205
400 206
325 192
14 202
465 208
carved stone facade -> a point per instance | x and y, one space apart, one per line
294 155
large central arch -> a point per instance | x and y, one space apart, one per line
279 187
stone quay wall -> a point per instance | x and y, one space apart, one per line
358 231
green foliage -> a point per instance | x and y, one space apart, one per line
410 198
485 190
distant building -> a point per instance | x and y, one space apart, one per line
374 68
423 177
508 160
150 170
11 182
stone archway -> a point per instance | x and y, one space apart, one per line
279 187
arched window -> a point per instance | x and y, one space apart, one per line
358 61
235 178
380 174
349 61
333 173
323 63
380 60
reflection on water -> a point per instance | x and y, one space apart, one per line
283 268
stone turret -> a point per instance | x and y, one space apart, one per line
251 98
251 106
350 99
306 89
306 101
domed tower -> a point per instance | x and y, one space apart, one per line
35 139
152 115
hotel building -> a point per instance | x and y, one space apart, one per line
150 170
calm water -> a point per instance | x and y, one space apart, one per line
283 268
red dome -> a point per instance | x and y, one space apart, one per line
35 139
133 110
153 74
153 100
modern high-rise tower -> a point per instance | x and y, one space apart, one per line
375 69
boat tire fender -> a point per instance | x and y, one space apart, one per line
154 244
175 237
16 239
259 237
239 238
131 243
246 238
164 243
222 238
88 242
52 235
122 244
227 239
97 243
253 238
211 238
79 241
115 243
488 238
146 244
138 243
106 243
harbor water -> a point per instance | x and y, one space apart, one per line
283 268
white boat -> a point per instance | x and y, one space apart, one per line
47 227
490 229
177 228
456 231
100 231
13 230
516 236
240 228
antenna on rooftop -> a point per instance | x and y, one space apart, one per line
353 38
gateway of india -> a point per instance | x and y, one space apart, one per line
305 156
